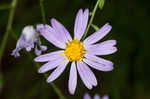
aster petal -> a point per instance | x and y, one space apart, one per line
96 96
102 51
58 71
104 48
73 78
105 97
97 35
50 56
106 44
89 74
87 96
61 32
81 23
99 60
51 65
99 66
83 76
49 33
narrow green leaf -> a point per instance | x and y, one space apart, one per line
91 19
101 4
8 28
95 27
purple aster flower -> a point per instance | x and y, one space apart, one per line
96 96
81 54
28 40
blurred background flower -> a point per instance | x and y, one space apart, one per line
130 77
96 96
29 39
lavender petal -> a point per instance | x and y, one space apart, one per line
37 52
49 33
97 35
39 27
102 50
89 74
72 79
87 96
61 32
15 52
43 48
57 72
96 96
26 40
50 56
81 23
51 65
29 48
97 65
83 75
98 60
105 97
29 34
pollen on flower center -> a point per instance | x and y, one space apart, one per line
74 50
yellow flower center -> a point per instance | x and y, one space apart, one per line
74 50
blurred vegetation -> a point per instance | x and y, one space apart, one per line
130 21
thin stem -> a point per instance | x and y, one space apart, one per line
95 27
42 11
9 26
91 19
56 89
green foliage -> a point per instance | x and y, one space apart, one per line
130 27
101 3
95 27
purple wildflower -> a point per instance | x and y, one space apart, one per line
28 40
96 96
81 54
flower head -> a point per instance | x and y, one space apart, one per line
28 40
82 54
74 50
96 96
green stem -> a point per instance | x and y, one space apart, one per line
42 11
52 84
9 26
91 19
95 27
56 89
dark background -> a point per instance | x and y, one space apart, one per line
130 78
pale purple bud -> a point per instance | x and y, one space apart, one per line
28 40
